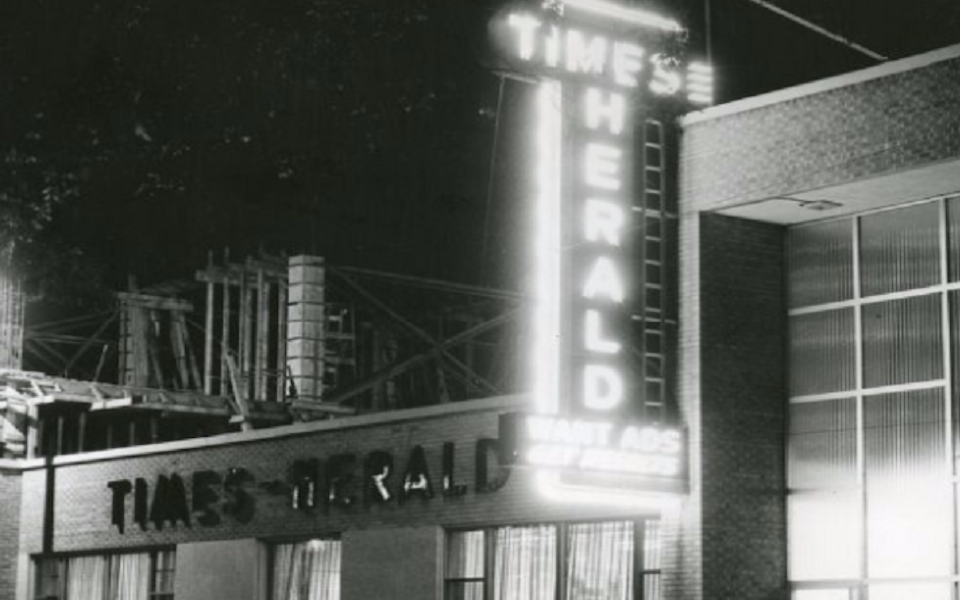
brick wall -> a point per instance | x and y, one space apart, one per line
880 125
10 485
731 531
82 501
743 409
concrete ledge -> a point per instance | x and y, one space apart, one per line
299 429
823 85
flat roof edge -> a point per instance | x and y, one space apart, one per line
11 464
880 71
297 429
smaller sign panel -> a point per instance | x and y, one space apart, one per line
632 455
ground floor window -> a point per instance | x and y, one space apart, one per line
610 560
307 570
147 575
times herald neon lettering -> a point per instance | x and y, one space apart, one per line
593 77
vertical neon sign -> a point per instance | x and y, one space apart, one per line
592 74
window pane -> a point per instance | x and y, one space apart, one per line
824 535
902 341
900 249
307 570
651 545
600 561
465 555
953 238
526 563
822 352
87 577
164 569
49 578
822 449
130 576
908 485
651 586
843 594
820 263
464 590
954 317
911 591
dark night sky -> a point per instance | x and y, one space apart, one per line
362 131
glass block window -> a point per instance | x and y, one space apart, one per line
907 485
874 415
820 260
902 341
822 352
900 249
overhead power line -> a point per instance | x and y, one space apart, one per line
824 32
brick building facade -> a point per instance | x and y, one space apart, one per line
789 461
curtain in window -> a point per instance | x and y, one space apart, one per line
525 565
87 578
600 561
130 578
465 561
307 571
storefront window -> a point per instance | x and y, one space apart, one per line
308 570
115 576
583 561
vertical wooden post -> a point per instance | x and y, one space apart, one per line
32 438
180 322
59 448
263 334
124 351
224 387
178 341
243 325
281 340
248 316
82 434
208 335
152 352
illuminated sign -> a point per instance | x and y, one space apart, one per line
634 456
597 65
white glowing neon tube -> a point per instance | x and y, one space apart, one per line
628 15
546 359
549 484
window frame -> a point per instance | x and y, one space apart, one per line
271 554
40 562
641 574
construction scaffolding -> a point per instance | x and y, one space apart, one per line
255 343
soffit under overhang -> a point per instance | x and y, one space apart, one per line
929 181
